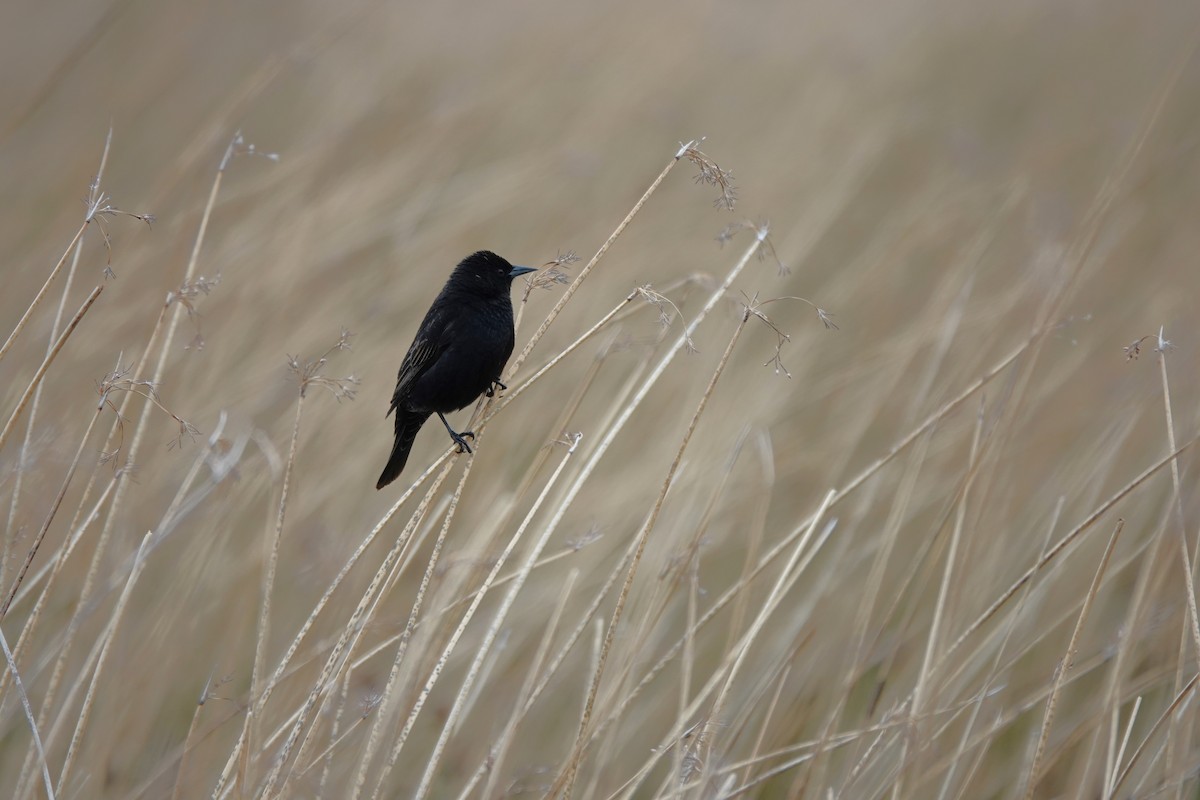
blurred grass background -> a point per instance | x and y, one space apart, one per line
925 168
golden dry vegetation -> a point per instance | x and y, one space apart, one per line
717 548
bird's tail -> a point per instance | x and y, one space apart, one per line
407 425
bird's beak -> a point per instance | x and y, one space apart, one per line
520 271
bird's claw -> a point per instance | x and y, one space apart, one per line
493 388
460 439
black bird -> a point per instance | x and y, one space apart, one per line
458 353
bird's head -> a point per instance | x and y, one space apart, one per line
485 271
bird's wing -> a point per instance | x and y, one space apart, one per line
420 357
433 336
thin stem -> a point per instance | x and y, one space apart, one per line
109 636
22 460
62 492
37 299
1068 660
374 739
583 273
33 727
46 362
484 647
268 584
567 777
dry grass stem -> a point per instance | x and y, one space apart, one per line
504 740
41 534
566 778
587 268
36 380
33 727
1181 698
1067 662
330 672
55 329
489 638
389 695
107 639
1062 544
37 299
270 565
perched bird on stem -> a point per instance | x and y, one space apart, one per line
459 353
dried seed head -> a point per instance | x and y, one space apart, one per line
308 372
710 173
663 303
551 273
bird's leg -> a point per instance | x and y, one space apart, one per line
494 387
460 439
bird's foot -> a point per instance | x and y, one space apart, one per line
493 388
460 439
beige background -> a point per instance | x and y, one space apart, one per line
924 167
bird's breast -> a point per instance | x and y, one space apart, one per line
478 344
